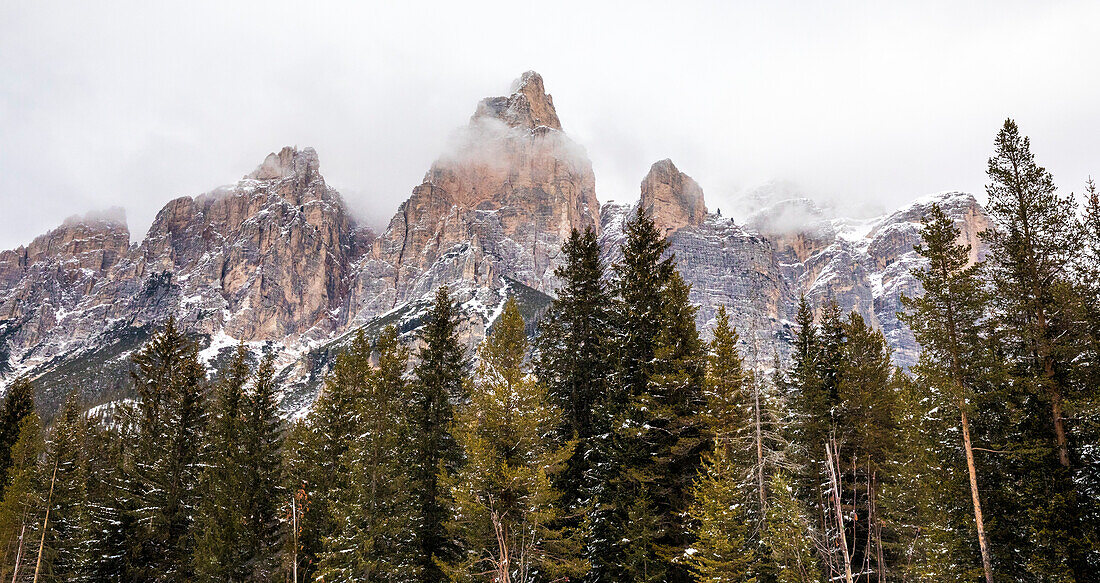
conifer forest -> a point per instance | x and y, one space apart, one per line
610 440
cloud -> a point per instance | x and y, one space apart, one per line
867 103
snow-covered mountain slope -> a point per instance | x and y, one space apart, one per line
277 262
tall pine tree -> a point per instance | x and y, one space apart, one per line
1033 237
262 436
374 513
171 386
318 460
438 382
219 525
654 451
573 358
946 321
18 403
506 513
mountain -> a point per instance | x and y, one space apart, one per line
278 262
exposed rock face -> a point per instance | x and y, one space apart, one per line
529 106
276 260
44 281
502 202
791 248
266 258
672 198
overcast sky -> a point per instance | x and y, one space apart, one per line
109 104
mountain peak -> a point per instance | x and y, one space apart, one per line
290 161
529 106
672 198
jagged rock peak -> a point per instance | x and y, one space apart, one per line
529 106
672 198
290 161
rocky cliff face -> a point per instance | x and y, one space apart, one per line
790 248
672 198
44 282
276 261
500 203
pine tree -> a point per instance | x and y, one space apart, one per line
946 322
727 411
723 551
788 534
505 505
22 506
439 380
110 530
641 279
18 403
727 510
263 441
62 545
170 383
658 436
1033 237
1034 233
375 512
865 430
318 458
573 358
926 503
219 526
811 427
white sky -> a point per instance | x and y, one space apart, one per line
869 104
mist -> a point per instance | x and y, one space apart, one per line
860 105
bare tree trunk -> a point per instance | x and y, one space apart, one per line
503 567
759 450
979 522
1056 412
294 525
19 552
45 523
834 481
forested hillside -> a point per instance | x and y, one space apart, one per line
615 443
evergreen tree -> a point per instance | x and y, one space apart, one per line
1032 240
727 410
728 511
439 380
946 322
219 526
505 505
23 503
171 386
811 427
865 445
62 545
926 503
263 441
658 435
18 403
573 358
375 512
723 551
110 511
319 461
788 535
641 279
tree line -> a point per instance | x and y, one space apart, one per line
617 446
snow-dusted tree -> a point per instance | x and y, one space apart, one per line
505 505
171 386
375 512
